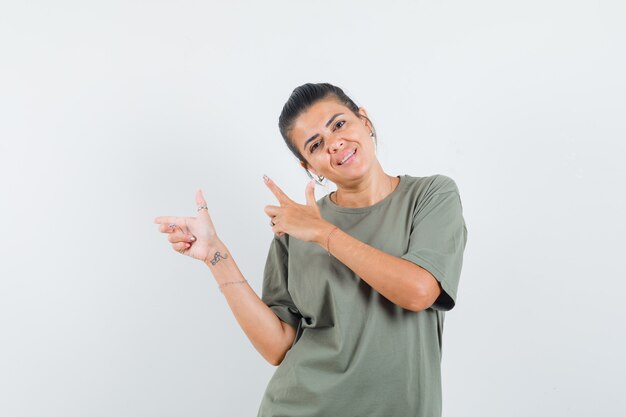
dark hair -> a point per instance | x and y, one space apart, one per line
304 97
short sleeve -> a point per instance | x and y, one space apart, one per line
275 283
438 237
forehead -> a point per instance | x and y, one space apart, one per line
314 119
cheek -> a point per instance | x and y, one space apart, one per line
359 134
320 160
363 138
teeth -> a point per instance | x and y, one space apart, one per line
346 158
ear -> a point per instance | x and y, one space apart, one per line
364 117
306 167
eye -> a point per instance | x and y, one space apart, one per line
339 124
315 146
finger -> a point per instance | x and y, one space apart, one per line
183 226
166 228
171 227
173 223
310 193
201 204
180 237
181 247
168 224
166 219
272 210
280 195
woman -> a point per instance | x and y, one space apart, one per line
356 283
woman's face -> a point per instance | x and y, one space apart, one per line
334 141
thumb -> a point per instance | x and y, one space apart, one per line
310 193
201 204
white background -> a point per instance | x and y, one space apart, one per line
112 113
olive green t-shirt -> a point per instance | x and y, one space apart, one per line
355 352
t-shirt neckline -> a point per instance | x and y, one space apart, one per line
331 205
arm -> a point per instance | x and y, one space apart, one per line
400 281
196 237
270 336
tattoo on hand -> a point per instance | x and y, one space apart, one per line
217 257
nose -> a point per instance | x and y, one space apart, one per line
335 144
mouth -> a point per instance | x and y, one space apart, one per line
347 158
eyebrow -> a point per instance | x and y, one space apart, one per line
306 142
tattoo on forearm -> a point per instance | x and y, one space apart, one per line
217 257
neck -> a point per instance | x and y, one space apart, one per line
366 192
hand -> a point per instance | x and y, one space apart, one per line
304 222
191 236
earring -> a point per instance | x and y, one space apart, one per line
320 180
374 141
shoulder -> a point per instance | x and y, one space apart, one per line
434 195
431 185
423 193
442 184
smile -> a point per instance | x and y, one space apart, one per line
347 157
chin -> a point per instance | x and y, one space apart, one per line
352 175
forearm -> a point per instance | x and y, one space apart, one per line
398 280
257 320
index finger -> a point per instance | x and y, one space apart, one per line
172 222
280 195
166 219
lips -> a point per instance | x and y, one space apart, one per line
346 156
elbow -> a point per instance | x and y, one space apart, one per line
272 360
275 358
423 298
278 351
418 305
425 293
275 361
